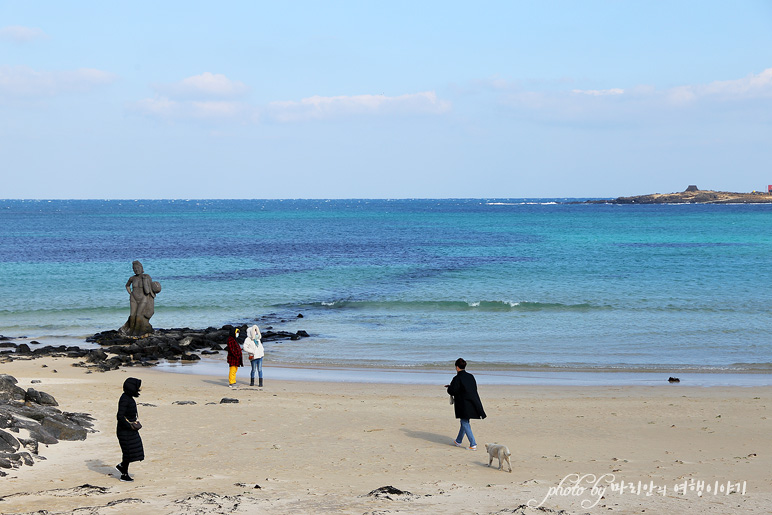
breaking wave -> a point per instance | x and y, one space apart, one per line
450 305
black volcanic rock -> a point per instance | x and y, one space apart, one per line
9 391
42 398
8 442
117 350
35 413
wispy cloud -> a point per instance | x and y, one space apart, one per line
19 34
205 97
749 87
598 92
24 81
635 102
204 86
210 96
163 107
318 107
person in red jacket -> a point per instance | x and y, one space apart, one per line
466 403
235 359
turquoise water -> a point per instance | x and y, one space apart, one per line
508 284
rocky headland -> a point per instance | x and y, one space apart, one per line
692 195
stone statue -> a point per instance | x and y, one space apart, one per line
142 291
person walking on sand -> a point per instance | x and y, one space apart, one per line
127 430
254 348
235 359
466 403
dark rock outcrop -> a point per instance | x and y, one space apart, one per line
118 350
170 344
34 412
37 397
8 442
389 492
9 391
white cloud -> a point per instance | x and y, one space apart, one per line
24 81
218 109
163 107
19 34
681 95
318 107
205 86
205 97
598 92
749 87
639 102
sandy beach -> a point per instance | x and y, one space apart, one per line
316 447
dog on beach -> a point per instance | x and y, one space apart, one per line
498 451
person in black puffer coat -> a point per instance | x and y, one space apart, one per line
128 437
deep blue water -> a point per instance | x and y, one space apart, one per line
505 283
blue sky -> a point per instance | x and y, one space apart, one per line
383 99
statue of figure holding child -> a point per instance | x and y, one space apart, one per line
142 291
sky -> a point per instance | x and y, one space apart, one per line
365 99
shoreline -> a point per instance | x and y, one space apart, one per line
316 447
489 373
511 377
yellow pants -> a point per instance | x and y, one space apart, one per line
232 375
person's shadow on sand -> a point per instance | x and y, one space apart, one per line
101 467
219 382
435 438
429 437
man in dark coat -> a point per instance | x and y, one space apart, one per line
128 437
466 402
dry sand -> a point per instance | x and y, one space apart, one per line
322 447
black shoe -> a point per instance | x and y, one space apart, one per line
261 382
126 477
252 382
120 469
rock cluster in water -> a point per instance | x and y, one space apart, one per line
29 418
24 351
117 350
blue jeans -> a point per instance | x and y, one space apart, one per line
466 429
256 364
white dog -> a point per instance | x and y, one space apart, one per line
498 451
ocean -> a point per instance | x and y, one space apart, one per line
512 285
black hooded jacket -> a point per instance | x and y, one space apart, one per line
131 443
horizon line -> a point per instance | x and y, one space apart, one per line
188 199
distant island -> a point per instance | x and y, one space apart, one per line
693 195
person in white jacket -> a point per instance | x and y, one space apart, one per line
254 348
